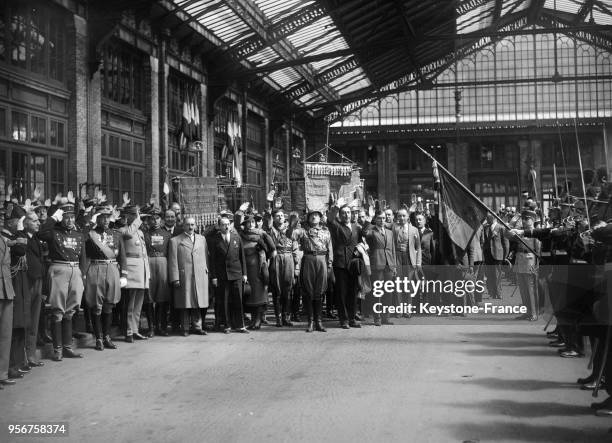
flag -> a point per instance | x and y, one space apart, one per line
237 173
184 136
196 120
460 212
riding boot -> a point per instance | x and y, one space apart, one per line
308 307
107 320
67 340
318 311
97 330
56 332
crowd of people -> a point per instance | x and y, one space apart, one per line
118 264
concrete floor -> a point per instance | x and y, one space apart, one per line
449 382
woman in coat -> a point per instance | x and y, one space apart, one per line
258 248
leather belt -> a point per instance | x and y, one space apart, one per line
107 262
315 252
157 254
283 251
66 263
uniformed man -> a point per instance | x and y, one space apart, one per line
67 261
134 263
284 268
316 244
102 288
526 266
157 240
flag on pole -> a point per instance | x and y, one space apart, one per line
461 214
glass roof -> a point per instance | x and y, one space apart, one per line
310 36
274 31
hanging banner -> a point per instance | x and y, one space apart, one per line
325 179
199 195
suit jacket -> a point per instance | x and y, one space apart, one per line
495 245
413 242
133 257
382 248
6 282
227 262
34 255
188 264
344 241
428 247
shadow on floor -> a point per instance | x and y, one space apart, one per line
502 430
527 409
506 352
522 385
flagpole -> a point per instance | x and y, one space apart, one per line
476 198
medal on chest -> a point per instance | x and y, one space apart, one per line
70 243
157 240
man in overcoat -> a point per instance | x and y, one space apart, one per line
188 274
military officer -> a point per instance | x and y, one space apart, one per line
284 268
67 256
102 288
157 240
134 263
316 243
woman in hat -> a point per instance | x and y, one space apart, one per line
258 248
315 242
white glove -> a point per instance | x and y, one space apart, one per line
9 193
244 206
58 215
94 218
340 202
20 223
123 282
70 197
